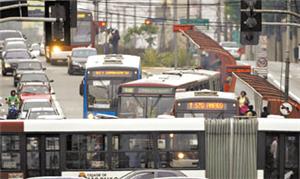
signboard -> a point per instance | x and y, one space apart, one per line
286 109
178 27
197 22
262 63
35 11
148 90
110 73
206 106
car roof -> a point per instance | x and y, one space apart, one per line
16 42
29 60
17 49
34 84
15 39
36 100
42 109
33 72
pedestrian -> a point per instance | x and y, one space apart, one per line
250 111
265 112
115 41
243 103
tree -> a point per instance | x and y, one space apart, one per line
145 32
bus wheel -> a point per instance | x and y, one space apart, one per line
70 71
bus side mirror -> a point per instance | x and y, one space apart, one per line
81 89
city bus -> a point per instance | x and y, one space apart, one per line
154 96
113 148
103 75
205 103
81 36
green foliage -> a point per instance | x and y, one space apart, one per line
144 32
166 59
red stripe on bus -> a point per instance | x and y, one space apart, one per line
11 126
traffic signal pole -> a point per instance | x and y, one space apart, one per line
287 61
175 35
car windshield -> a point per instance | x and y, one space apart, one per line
15 46
17 55
29 105
30 66
142 106
34 78
83 53
35 89
36 114
4 35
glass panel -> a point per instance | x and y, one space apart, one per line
96 160
178 141
96 142
32 143
10 143
52 160
52 143
178 159
145 175
33 160
272 158
133 160
11 160
166 174
135 142
291 157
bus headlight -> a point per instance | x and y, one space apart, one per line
7 65
90 116
56 49
180 155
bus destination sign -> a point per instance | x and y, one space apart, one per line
148 90
206 106
111 73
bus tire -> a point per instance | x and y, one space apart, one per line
4 73
70 71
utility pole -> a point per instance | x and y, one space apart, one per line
106 19
219 21
118 21
287 60
96 20
134 16
150 8
200 10
124 20
162 32
188 42
175 35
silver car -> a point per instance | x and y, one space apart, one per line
78 58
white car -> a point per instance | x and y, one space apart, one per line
42 113
35 50
232 47
33 103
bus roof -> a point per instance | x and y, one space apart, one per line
208 73
104 125
167 80
113 60
205 94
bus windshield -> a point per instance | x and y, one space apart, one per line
145 106
82 33
207 109
103 93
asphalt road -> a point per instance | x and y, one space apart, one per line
66 89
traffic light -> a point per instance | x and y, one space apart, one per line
148 21
251 22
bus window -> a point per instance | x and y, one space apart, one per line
86 151
134 151
10 152
272 158
178 150
291 157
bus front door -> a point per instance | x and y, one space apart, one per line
42 155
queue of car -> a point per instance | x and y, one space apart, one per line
32 83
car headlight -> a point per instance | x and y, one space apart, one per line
7 65
18 75
56 49
90 116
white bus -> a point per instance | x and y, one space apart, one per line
113 148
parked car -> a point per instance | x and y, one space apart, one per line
152 173
27 104
78 58
31 76
35 50
232 47
38 113
33 65
11 58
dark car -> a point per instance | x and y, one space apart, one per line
152 173
11 58
27 65
78 58
39 77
